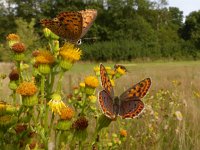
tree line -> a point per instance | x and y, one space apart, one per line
123 30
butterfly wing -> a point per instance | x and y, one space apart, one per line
105 81
89 15
106 103
137 91
67 25
130 101
131 108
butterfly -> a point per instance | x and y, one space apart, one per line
72 25
128 104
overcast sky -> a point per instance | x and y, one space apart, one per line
186 6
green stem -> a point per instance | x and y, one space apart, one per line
50 85
42 88
51 123
84 104
59 85
57 142
19 69
51 45
80 145
46 131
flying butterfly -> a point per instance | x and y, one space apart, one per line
71 25
128 104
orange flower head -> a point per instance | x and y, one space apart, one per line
91 81
123 133
27 88
70 52
44 57
18 47
66 113
13 37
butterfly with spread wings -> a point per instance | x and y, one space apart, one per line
128 104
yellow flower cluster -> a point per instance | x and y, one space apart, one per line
69 52
27 88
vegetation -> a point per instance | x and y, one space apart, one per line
137 28
49 102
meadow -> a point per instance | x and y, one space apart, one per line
172 115
175 88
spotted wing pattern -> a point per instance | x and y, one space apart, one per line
89 15
105 81
129 104
106 103
131 108
137 91
66 24
71 25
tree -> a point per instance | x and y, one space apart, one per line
191 28
176 16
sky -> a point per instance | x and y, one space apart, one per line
186 6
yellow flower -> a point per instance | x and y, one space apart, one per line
13 37
110 72
26 88
66 113
178 115
96 69
120 71
108 68
44 57
91 81
112 82
56 104
2 107
70 52
123 133
92 98
82 84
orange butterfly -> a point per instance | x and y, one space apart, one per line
71 25
128 104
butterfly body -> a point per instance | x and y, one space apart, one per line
128 104
71 26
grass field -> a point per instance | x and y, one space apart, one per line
172 115
175 87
